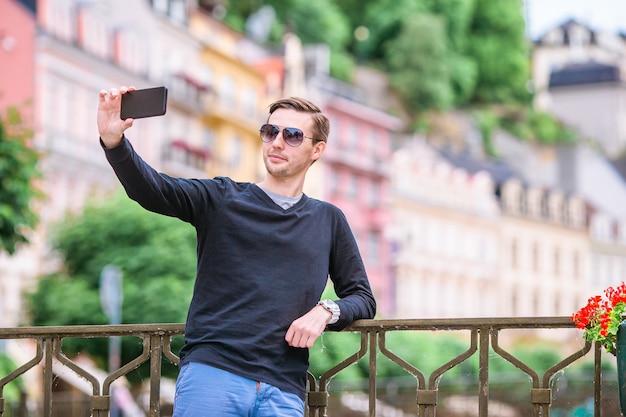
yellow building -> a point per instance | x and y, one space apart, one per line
237 99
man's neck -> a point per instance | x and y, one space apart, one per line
287 188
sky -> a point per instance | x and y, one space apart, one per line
600 15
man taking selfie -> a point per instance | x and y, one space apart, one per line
265 253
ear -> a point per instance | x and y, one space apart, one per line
318 150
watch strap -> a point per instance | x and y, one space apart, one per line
333 308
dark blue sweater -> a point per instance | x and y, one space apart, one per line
260 267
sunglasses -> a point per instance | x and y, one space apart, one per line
291 135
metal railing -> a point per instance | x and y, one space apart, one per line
483 339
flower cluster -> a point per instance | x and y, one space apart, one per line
601 317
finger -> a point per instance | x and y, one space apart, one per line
113 93
298 342
289 335
308 343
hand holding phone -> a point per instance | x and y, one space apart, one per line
148 102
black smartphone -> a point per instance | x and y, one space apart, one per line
148 102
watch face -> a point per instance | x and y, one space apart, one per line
330 306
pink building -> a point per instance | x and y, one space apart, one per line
357 172
17 58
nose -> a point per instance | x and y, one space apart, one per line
279 142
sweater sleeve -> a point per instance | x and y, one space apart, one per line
157 192
349 278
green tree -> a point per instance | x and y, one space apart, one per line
320 21
417 62
497 42
314 22
384 20
156 254
18 172
462 67
423 45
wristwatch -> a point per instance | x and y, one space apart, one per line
331 306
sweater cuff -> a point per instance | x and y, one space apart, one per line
118 153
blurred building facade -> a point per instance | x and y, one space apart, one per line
356 177
579 76
219 85
446 236
438 230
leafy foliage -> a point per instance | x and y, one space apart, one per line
384 19
156 254
439 54
11 392
18 172
498 44
417 63
525 123
314 22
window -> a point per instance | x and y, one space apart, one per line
59 20
576 213
514 302
334 135
208 139
160 6
130 52
249 102
335 178
374 194
353 187
534 203
175 9
235 152
545 208
557 262
535 257
601 228
372 141
523 207
92 32
576 265
536 303
373 244
557 305
227 92
353 136
178 11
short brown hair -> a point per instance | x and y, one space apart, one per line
321 125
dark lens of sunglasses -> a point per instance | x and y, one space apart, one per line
293 136
268 132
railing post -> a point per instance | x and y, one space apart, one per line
155 375
372 376
483 371
47 377
597 380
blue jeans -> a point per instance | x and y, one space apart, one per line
206 391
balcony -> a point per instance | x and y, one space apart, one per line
483 338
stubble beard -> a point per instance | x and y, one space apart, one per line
274 170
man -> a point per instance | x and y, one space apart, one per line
265 252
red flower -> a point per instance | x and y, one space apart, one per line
601 317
